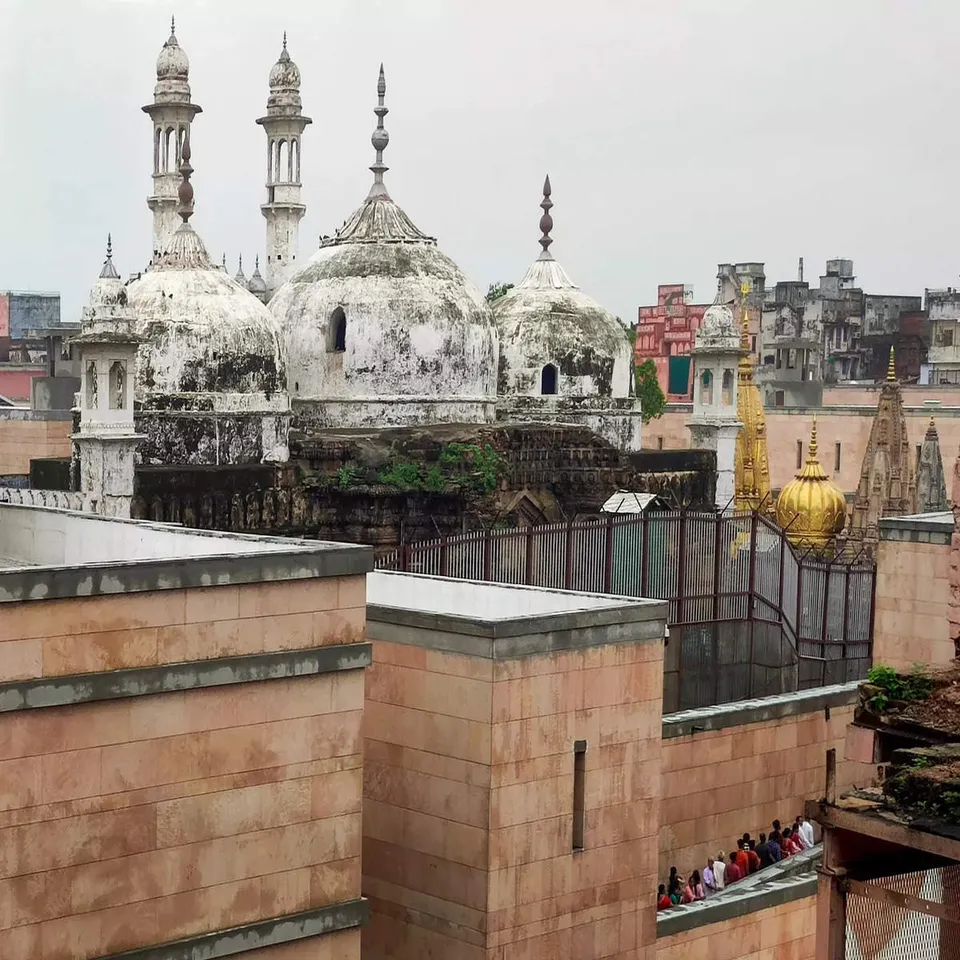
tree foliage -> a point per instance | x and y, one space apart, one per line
497 290
652 400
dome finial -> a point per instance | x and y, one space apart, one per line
380 139
284 39
546 221
892 368
109 271
173 25
812 457
745 319
185 191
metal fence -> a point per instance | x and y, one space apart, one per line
749 615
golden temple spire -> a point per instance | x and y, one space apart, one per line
892 368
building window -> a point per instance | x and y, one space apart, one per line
778 399
836 458
706 388
799 454
337 332
727 388
118 386
791 359
92 386
548 380
659 443
779 359
579 791
753 343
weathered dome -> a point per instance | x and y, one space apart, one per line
548 323
380 326
173 72
285 74
811 509
717 324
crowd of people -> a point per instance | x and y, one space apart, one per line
723 870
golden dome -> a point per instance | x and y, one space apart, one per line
811 509
751 464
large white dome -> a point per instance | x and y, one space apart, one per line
381 327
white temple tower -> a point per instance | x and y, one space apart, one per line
284 125
172 114
714 424
107 440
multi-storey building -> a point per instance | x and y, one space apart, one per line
943 358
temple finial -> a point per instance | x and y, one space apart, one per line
380 139
745 319
109 271
173 25
223 261
546 221
813 441
284 39
185 190
892 368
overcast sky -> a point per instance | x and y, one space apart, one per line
677 133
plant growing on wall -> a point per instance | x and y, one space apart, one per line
652 400
347 476
497 290
478 467
894 686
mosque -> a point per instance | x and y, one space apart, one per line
379 328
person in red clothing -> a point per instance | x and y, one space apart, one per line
789 844
753 857
663 901
732 874
743 861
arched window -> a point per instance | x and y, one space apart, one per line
295 160
706 388
728 388
92 386
337 332
156 149
168 142
548 380
283 161
118 386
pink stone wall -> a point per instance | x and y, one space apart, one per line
719 784
785 429
21 440
912 623
131 822
786 932
468 803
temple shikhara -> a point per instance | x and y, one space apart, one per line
348 613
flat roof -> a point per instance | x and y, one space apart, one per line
48 553
499 621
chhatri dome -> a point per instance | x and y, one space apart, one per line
284 81
173 67
554 339
811 509
212 351
381 327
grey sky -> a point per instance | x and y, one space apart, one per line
677 133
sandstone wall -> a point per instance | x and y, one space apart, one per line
469 797
145 819
24 438
784 932
718 784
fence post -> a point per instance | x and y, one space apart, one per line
405 557
608 557
528 564
846 611
799 626
443 557
717 531
644 552
873 607
568 559
823 623
681 563
487 553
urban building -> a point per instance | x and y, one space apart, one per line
943 358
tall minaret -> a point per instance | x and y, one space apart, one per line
284 125
171 113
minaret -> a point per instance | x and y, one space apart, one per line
931 484
106 440
284 125
172 114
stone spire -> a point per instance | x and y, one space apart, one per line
887 485
108 271
380 139
546 221
239 277
931 483
752 464
892 368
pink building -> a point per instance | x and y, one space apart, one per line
665 334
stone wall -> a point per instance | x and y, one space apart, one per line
468 803
142 816
914 619
735 768
25 434
786 931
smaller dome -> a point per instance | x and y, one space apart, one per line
256 284
718 322
172 64
811 509
285 74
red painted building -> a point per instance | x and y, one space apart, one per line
665 334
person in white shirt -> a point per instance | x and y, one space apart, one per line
718 871
804 832
708 881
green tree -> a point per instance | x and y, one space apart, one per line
497 290
652 400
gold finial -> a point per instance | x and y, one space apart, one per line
813 441
744 288
892 368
